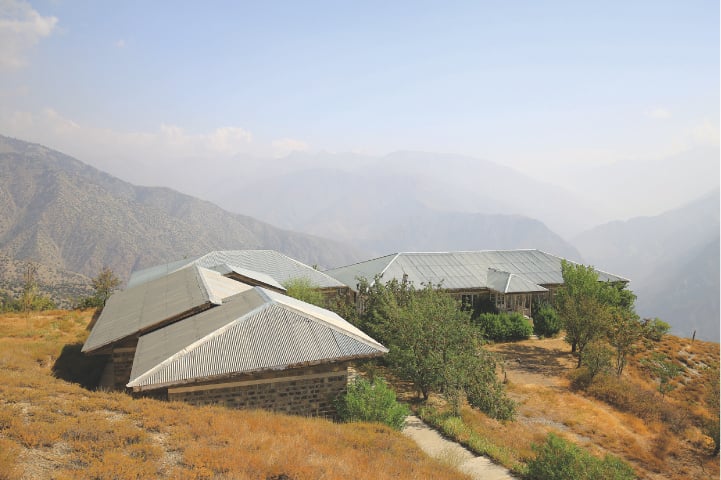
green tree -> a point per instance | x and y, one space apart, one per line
582 305
664 369
546 322
29 295
304 289
624 333
105 283
433 344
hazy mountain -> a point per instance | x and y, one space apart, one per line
69 216
290 191
672 260
385 208
646 187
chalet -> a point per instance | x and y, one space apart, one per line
204 335
508 279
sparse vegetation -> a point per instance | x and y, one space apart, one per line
52 428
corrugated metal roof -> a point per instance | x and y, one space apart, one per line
462 270
280 267
505 282
141 307
255 330
259 277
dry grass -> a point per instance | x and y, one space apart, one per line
52 428
667 444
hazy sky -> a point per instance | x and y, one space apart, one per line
523 83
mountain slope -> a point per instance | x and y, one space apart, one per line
380 211
67 215
672 260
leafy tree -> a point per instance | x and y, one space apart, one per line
581 305
596 358
624 333
546 322
655 329
105 283
433 344
305 290
371 401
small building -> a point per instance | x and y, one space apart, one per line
226 335
509 279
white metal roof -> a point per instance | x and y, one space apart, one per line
141 307
461 270
252 331
280 267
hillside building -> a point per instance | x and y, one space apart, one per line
510 280
228 335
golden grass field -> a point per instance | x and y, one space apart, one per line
660 441
51 428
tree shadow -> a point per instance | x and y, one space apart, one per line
533 359
74 366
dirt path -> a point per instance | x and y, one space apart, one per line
435 445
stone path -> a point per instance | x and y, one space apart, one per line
435 445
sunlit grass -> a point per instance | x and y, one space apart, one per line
52 428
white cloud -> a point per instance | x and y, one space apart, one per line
21 28
284 146
659 113
120 43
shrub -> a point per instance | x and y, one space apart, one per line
546 322
596 357
371 401
655 328
491 399
503 327
558 459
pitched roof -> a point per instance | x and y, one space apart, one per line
280 267
462 270
256 277
140 308
252 331
505 282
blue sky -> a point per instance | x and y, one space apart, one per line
523 83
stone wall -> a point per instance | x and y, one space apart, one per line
306 391
122 359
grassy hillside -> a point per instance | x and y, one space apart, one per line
65 215
54 428
660 437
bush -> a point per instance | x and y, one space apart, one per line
558 459
655 328
504 327
371 401
596 357
491 399
546 322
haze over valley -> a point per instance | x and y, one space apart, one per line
340 133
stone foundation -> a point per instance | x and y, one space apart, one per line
307 391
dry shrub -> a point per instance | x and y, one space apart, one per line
9 453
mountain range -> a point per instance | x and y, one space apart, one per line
72 219
672 260
68 216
